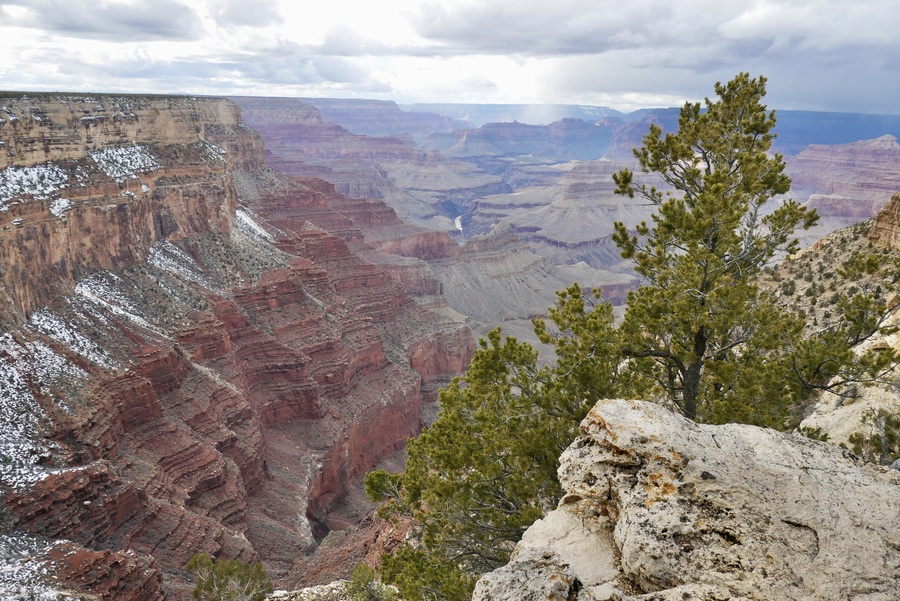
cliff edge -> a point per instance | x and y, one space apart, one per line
661 508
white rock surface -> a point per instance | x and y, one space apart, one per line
688 511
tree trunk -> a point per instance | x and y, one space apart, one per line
691 389
691 376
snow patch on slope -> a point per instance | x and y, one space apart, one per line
168 257
22 448
103 289
58 329
21 576
248 225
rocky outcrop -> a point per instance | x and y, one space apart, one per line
197 378
885 230
658 507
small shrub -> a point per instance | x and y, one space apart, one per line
879 442
813 433
228 579
364 587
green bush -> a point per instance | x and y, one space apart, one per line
363 586
879 442
228 579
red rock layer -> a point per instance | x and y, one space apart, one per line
238 403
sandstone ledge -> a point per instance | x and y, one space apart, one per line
658 507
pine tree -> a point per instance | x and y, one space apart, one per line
486 469
700 334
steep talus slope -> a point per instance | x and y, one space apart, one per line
660 508
182 376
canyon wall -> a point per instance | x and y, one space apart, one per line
183 375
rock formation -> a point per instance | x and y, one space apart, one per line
181 375
885 230
658 507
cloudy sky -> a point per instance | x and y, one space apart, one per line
841 55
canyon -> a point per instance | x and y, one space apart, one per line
194 357
551 182
219 314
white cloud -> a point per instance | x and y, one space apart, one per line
817 53
105 19
245 13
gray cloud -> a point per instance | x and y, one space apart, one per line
163 19
140 72
817 54
252 13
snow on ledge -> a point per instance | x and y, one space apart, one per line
60 206
39 182
124 162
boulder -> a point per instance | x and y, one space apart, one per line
659 507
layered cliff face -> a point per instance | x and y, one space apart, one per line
181 375
845 183
661 508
